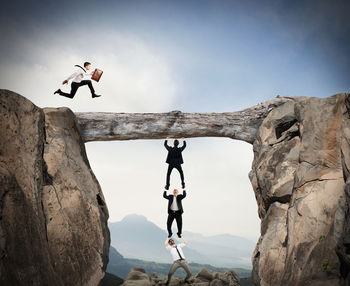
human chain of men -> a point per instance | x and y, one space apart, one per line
175 210
80 78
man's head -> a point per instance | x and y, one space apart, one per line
176 142
175 192
171 242
87 65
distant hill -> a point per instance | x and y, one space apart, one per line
136 237
111 280
120 266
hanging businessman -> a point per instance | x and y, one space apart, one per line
175 210
175 160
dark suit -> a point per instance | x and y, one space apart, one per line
75 86
174 214
174 159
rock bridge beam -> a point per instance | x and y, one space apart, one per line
240 125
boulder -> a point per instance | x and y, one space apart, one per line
137 277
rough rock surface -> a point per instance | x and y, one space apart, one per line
300 179
75 208
53 219
138 277
241 125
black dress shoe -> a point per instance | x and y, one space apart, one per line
57 91
183 185
179 235
167 187
95 95
169 235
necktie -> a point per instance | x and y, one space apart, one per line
179 253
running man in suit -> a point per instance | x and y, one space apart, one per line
174 159
175 211
78 81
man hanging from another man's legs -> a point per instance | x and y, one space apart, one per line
175 211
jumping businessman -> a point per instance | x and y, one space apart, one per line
175 211
78 81
178 258
174 159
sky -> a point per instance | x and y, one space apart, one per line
193 56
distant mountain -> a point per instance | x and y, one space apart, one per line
120 266
137 237
111 280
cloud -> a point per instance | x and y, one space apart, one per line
135 77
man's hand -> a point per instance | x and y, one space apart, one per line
167 137
65 82
184 240
166 241
182 138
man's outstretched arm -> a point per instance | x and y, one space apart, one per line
165 195
166 144
184 144
184 240
166 242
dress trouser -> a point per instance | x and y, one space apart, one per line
75 86
170 169
179 263
174 215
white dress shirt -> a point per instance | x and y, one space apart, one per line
174 206
78 76
174 253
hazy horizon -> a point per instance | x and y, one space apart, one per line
174 226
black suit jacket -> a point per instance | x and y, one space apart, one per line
174 153
179 198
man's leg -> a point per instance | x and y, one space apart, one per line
179 168
185 266
169 223
172 270
170 169
178 218
73 91
89 84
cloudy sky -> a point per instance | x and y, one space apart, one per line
193 56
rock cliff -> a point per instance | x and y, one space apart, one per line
53 215
300 177
53 218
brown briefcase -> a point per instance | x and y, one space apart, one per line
97 75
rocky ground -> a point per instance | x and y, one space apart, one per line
138 277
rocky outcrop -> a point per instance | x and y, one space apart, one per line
138 277
53 218
300 179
